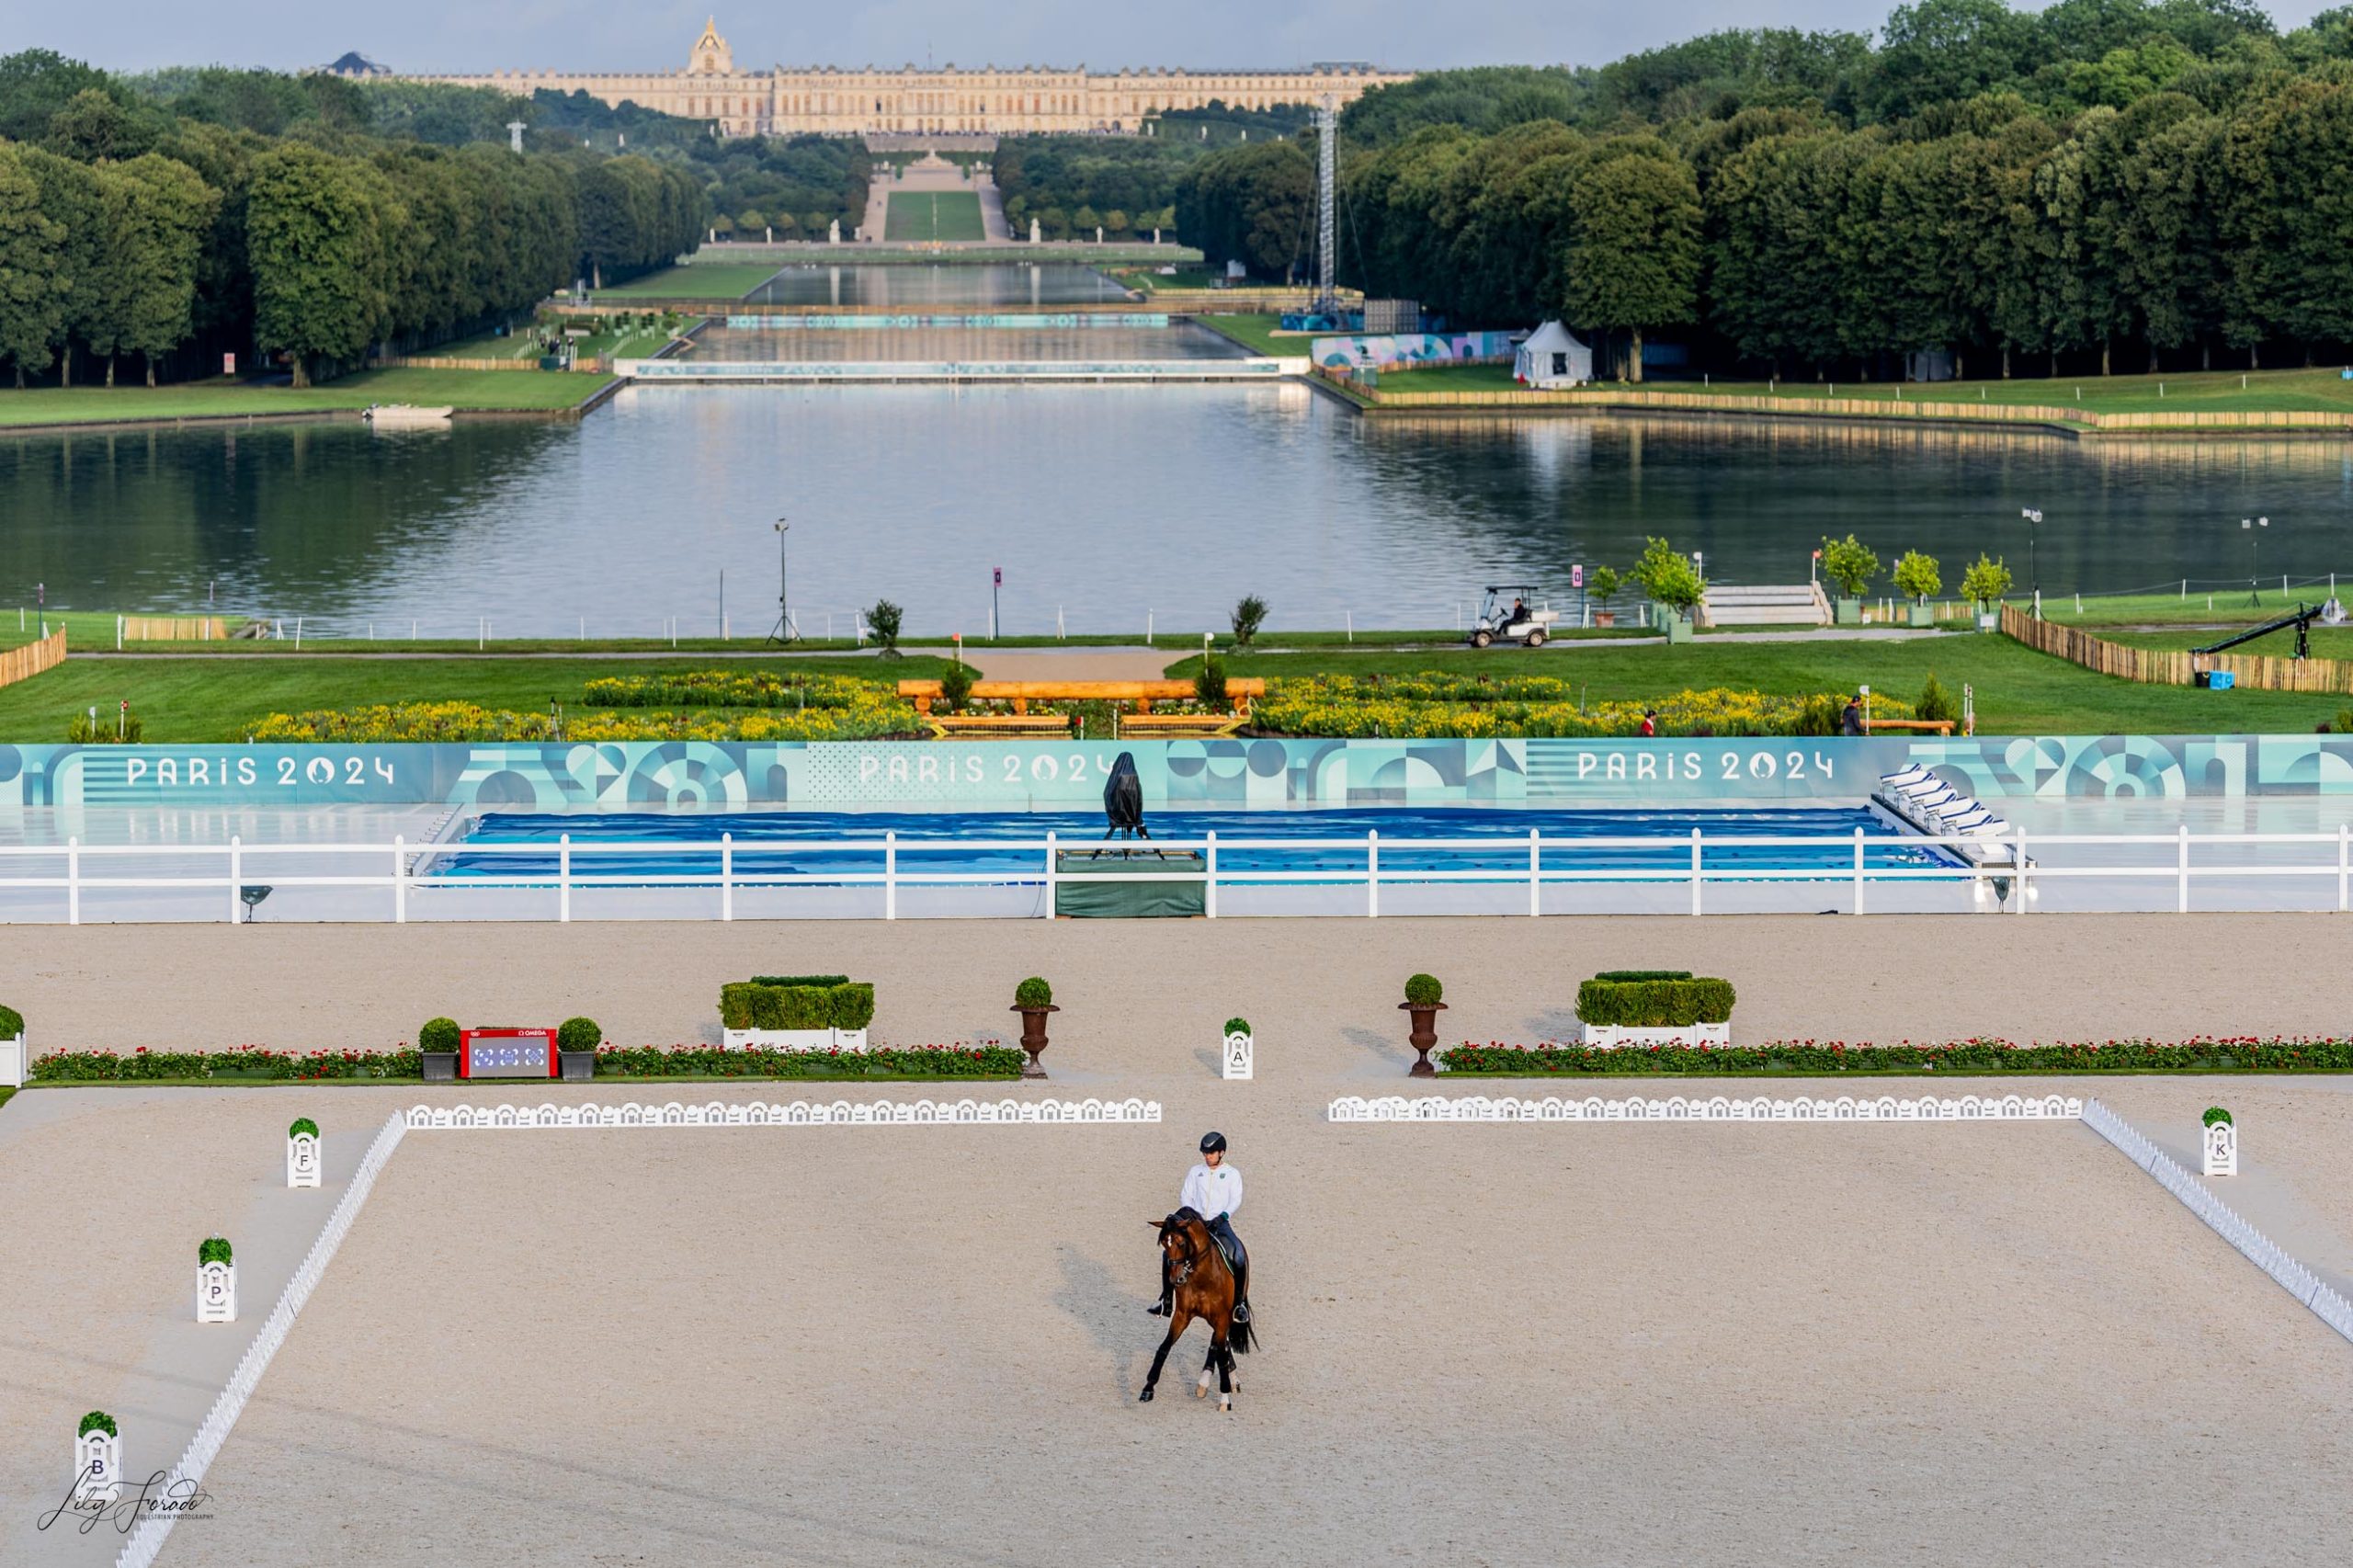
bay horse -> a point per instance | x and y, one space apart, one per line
1204 1287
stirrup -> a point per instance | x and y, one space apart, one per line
1241 1311
1157 1309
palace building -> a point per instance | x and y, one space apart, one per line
829 100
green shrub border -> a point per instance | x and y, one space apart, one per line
881 1061
1653 1004
2215 1113
796 1002
1629 976
215 1249
12 1023
1836 1058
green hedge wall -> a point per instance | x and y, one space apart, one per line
12 1023
796 1003
1828 1058
1654 1004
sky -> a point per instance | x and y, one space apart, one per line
470 35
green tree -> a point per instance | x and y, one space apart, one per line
1669 578
1986 582
171 211
1635 261
1850 564
32 310
1916 577
317 232
94 124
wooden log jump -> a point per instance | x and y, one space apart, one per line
1239 690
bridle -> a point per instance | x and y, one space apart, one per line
1184 1271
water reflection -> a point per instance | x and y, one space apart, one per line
1054 283
1107 505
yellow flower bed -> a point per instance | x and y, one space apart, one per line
1436 707
457 721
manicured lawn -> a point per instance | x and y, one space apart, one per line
474 390
921 215
705 280
219 699
1256 333
2323 392
2019 690
1449 379
2200 606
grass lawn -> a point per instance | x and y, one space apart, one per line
2019 690
1256 333
470 389
631 343
921 215
219 699
84 628
2319 391
1449 379
705 280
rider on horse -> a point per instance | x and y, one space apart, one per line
1214 1190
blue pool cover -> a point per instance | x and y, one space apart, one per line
770 843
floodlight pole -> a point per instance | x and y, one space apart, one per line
783 634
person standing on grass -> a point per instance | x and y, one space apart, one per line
1214 1190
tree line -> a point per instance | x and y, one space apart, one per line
128 226
2109 181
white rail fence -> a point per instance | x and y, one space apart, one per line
798 1113
1696 1107
146 1538
2293 1276
2008 871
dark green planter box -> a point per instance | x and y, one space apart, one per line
1847 612
1160 899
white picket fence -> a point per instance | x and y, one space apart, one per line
798 1113
12 1063
147 1536
2293 1276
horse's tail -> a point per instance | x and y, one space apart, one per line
1241 1338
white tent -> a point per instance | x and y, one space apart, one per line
1551 357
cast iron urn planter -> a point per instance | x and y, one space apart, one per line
1423 1036
1033 1037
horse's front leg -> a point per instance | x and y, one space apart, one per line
1177 1321
1209 1363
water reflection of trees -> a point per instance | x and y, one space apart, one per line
305 518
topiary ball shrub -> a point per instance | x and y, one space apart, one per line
1237 1025
579 1034
12 1023
1423 990
439 1034
2215 1113
99 1421
214 1249
302 1124
1034 993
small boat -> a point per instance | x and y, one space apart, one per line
404 416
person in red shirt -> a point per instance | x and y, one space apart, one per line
1649 722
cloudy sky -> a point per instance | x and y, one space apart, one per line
473 35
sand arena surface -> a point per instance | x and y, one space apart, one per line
1498 1344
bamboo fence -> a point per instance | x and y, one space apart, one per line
22 663
174 629
2174 667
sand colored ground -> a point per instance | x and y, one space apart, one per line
1483 1344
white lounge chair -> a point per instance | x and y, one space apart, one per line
1944 796
1992 827
1969 822
1959 808
1905 777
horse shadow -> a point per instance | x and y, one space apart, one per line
1111 1315
1214 1061
1389 1047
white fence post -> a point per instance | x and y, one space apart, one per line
1535 872
2181 873
1695 870
1053 877
1209 889
400 878
727 876
1373 873
73 881
236 874
563 877
1858 871
2018 866
891 875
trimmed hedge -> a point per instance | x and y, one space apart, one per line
99 1421
1034 993
438 1035
1628 976
1829 1058
1237 1025
12 1023
2215 1113
214 1249
1654 1004
302 1124
246 1061
802 1001
918 1061
1423 990
579 1034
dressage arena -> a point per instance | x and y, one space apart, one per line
1479 1344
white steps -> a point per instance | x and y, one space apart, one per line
1800 603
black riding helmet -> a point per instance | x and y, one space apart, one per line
1212 1140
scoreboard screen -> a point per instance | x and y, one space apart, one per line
507 1053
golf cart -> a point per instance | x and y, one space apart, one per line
1496 620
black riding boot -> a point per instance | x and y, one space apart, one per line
1160 1307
